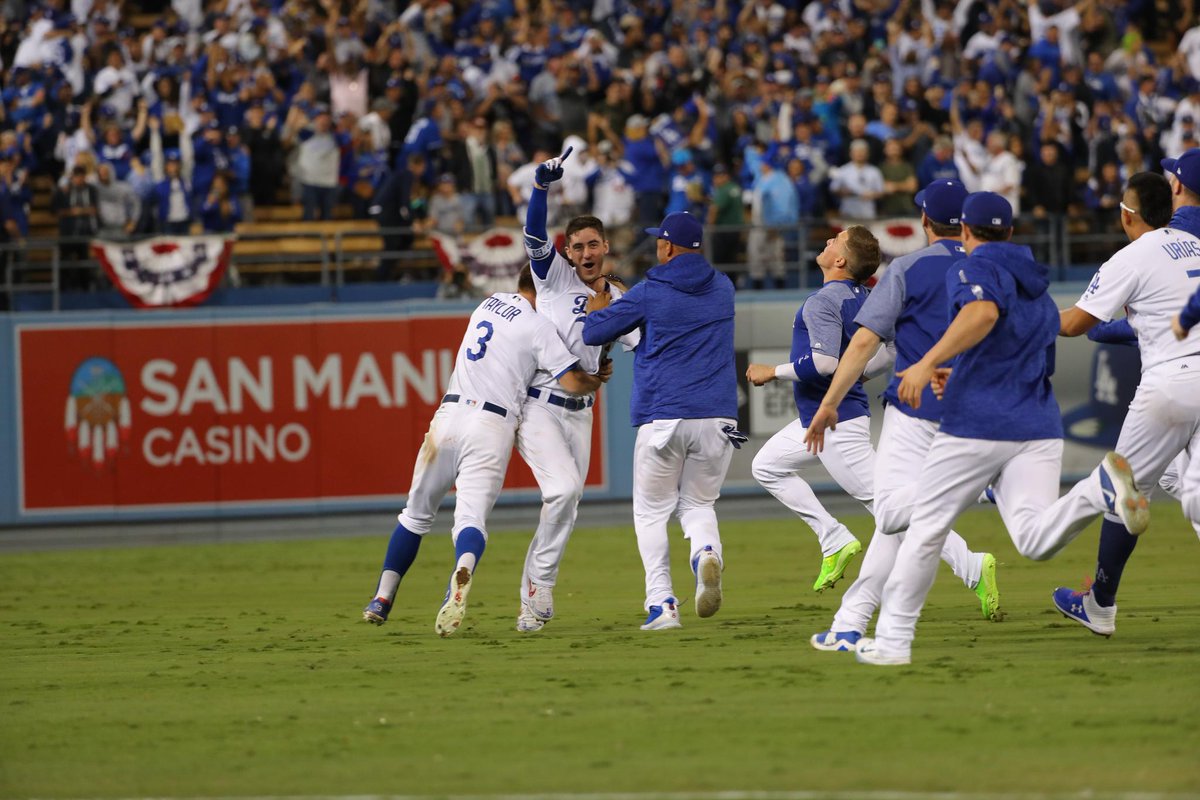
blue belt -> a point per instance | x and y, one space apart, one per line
492 407
569 403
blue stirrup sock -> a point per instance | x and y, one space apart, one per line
468 548
1116 546
401 552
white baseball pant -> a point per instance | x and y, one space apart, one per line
678 466
468 448
556 444
904 444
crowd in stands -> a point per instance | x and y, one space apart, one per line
431 114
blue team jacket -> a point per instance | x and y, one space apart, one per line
1000 388
684 367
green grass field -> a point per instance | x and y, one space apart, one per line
244 669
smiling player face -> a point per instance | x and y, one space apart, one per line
587 249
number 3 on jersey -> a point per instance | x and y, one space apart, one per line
482 341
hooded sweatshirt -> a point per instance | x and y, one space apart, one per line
684 366
1000 388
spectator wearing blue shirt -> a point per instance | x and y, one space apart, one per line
938 164
220 211
646 156
774 207
807 196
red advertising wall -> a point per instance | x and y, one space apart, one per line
248 412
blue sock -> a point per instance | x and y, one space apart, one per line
471 541
1116 546
402 550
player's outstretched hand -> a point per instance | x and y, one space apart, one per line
814 436
1177 329
760 374
549 171
598 301
940 376
913 382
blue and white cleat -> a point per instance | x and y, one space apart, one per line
527 622
836 641
868 652
707 567
1083 608
1121 495
663 617
376 611
540 601
455 608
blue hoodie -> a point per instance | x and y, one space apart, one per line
1000 388
684 366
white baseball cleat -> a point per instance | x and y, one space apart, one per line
539 600
868 652
708 569
1121 494
663 617
455 608
527 622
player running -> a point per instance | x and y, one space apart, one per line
555 435
1151 278
684 406
471 437
820 333
908 310
1001 425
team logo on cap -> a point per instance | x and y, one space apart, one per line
997 221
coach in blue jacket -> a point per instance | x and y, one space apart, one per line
684 406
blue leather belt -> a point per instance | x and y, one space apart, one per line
569 403
486 406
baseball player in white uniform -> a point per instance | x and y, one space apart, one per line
1150 279
555 435
471 437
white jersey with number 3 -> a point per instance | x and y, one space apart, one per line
561 298
1152 279
507 348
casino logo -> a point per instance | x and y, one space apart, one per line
97 417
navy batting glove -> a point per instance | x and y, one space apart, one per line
550 171
735 437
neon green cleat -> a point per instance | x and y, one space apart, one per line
834 567
987 591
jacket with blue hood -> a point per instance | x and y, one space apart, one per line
684 367
1000 388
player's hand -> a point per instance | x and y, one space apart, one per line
606 370
1177 329
913 382
760 374
814 437
940 376
549 171
616 281
598 301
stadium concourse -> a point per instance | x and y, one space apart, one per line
122 118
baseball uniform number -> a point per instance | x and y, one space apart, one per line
482 341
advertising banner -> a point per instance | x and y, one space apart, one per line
164 415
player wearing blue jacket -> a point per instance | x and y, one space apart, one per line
908 310
1001 425
684 406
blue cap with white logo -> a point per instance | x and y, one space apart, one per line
942 201
1186 168
680 228
987 208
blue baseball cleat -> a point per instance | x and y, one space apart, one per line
1083 608
663 617
376 611
836 641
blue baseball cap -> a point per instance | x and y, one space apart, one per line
1186 168
987 208
942 201
680 228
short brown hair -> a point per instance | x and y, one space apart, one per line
944 230
582 224
525 280
990 233
862 253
